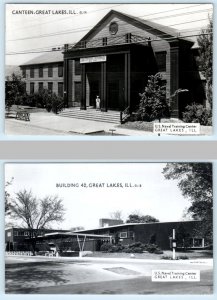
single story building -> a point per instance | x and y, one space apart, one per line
113 61
159 233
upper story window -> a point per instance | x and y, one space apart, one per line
41 71
104 41
50 71
161 60
32 72
24 72
77 67
128 37
60 70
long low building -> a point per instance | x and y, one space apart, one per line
113 61
159 233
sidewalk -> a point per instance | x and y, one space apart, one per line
66 126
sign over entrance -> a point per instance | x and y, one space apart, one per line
86 60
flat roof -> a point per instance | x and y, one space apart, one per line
133 224
69 234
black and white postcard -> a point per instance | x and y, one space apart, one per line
109 228
109 69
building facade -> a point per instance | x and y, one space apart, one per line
160 233
113 61
44 72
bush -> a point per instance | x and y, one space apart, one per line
182 257
151 248
197 113
158 251
105 247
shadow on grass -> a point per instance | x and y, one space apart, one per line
24 278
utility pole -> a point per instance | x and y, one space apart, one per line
174 244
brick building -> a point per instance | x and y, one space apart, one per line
114 59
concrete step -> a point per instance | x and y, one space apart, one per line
90 114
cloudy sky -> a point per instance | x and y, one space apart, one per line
39 27
85 204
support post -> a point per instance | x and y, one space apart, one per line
104 105
174 77
65 82
83 87
126 80
174 244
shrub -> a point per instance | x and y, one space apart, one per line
105 247
151 248
158 251
197 113
182 257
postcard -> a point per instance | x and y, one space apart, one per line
109 228
109 69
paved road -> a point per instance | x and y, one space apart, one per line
106 276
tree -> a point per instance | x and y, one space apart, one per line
135 218
153 104
36 213
195 180
205 42
182 237
116 215
7 197
14 90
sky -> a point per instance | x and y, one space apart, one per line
27 25
150 193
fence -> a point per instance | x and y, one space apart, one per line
28 253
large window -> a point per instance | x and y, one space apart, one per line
77 91
40 71
77 67
50 71
32 87
24 72
60 89
60 70
123 235
40 86
50 87
161 61
32 72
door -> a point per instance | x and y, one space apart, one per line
113 94
94 91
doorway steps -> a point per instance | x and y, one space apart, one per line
92 114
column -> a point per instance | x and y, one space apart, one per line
83 87
174 78
127 76
65 82
104 105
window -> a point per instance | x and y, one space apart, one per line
161 61
40 71
104 41
50 87
32 87
60 89
77 91
128 38
60 70
50 71
26 233
77 67
32 72
24 72
40 86
15 233
123 235
8 234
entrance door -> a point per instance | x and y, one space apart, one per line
94 91
113 94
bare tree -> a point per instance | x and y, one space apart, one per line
116 215
36 213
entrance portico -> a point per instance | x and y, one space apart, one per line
106 72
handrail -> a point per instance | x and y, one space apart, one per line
124 115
